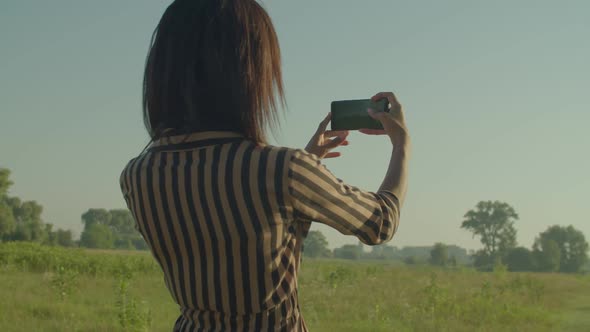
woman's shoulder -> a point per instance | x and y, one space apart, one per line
287 153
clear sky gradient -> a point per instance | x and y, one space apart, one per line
496 95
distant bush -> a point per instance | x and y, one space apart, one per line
411 260
439 255
348 251
520 259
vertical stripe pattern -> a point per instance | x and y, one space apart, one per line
225 218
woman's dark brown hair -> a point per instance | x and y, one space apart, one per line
213 65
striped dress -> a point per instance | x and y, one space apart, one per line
225 218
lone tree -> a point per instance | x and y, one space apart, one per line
493 222
573 248
439 255
316 245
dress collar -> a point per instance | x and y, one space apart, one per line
171 140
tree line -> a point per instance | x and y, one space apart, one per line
104 229
557 249
21 220
316 246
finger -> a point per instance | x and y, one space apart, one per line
344 143
336 133
372 131
377 115
324 124
389 95
332 155
333 143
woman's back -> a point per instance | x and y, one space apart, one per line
223 213
226 218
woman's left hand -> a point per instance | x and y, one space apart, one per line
324 141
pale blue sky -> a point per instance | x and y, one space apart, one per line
496 95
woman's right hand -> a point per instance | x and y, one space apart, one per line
394 123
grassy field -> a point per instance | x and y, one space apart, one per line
54 289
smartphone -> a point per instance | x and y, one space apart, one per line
352 114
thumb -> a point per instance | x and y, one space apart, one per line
376 115
324 124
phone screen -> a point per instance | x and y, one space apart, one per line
352 114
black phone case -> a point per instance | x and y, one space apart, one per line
352 114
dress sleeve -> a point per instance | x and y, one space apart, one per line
317 195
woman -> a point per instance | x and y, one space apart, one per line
223 213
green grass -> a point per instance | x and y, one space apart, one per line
54 289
